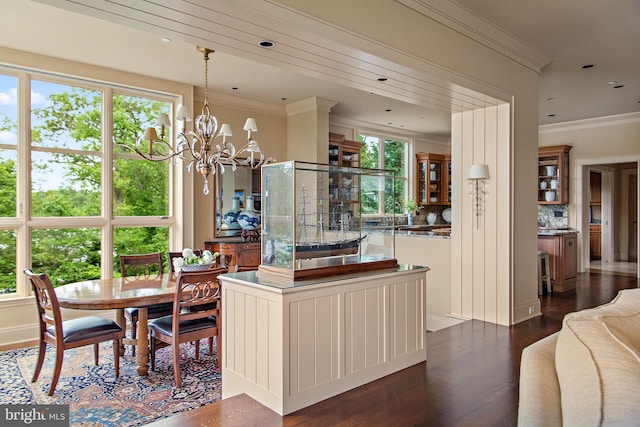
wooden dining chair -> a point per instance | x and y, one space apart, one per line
144 266
67 334
196 315
173 255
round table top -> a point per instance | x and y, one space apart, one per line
118 292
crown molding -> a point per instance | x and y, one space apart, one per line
388 130
240 103
470 25
314 103
577 125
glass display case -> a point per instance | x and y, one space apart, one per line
306 235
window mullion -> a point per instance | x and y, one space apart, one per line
23 183
107 183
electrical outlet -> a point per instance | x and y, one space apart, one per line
557 214
532 309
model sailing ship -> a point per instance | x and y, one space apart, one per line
317 246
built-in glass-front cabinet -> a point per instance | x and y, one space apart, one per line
433 180
344 186
553 175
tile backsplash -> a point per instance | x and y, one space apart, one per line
553 216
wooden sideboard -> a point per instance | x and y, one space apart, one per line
246 254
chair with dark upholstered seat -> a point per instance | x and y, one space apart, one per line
64 335
143 266
196 315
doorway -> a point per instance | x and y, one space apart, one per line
612 207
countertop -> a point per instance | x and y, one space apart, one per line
555 231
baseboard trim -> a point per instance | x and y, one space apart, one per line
436 322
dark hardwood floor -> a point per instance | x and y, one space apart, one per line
470 377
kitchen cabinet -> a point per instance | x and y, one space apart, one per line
595 188
563 259
553 175
344 187
236 252
433 179
595 241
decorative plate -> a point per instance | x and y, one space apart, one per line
446 215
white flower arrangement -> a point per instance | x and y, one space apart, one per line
189 258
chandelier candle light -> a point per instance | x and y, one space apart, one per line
200 141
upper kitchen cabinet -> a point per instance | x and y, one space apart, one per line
595 188
553 175
344 187
433 179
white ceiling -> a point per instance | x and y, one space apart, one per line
574 33
571 33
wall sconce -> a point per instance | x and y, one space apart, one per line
477 175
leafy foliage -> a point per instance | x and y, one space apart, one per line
394 159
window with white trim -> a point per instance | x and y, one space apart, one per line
71 201
391 153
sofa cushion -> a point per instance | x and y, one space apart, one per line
627 301
598 367
539 403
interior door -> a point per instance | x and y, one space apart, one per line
633 217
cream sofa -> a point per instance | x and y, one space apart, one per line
588 373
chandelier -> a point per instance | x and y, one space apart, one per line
207 156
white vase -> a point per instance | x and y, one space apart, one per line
431 218
554 184
249 219
550 196
551 170
230 219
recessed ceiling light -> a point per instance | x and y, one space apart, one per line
618 86
283 99
382 79
388 110
266 43
584 67
550 98
165 39
234 88
552 115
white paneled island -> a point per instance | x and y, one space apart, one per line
289 345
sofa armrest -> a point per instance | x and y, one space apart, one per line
539 403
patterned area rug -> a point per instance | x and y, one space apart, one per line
96 398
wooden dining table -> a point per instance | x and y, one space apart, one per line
120 293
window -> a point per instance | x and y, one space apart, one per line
379 152
70 199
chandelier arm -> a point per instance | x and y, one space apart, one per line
200 142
